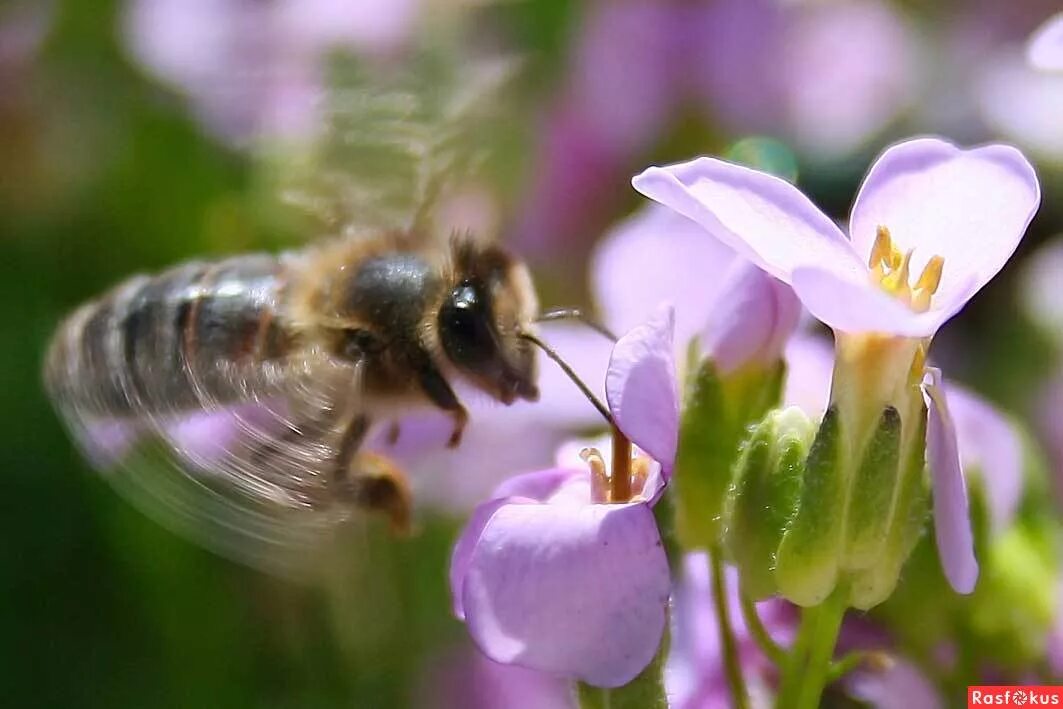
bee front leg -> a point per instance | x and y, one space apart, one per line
439 392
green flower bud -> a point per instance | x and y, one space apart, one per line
718 411
807 560
764 494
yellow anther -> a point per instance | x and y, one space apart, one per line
915 374
599 474
881 254
640 472
896 281
889 268
927 285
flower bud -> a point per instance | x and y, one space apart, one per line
764 494
717 413
752 321
807 561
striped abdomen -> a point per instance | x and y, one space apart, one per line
171 341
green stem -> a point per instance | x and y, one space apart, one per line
795 664
809 667
731 664
821 649
847 664
760 634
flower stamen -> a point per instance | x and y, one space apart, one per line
891 269
599 474
626 481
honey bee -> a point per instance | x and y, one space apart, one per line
232 398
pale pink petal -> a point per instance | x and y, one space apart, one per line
576 592
539 485
654 256
640 385
461 555
762 217
989 445
952 522
971 207
1045 50
753 322
809 370
856 305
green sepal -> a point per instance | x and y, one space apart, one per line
763 496
910 513
1007 621
716 416
807 560
871 494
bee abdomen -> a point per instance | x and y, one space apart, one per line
171 341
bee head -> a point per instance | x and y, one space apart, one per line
490 303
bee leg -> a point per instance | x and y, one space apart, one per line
350 442
394 431
369 480
439 393
379 485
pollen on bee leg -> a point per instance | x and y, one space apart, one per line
599 474
380 486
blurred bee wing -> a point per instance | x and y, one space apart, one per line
248 479
393 140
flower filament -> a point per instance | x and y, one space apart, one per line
890 269
626 480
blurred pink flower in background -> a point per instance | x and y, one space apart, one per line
1039 295
1022 103
694 674
826 77
1045 49
255 69
463 678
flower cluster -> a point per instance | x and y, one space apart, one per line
564 570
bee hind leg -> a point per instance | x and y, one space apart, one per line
378 485
371 481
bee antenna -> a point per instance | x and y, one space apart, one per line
567 369
579 315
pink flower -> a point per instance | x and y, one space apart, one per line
932 224
551 575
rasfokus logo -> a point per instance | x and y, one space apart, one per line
1026 696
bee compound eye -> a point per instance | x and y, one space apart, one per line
464 326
